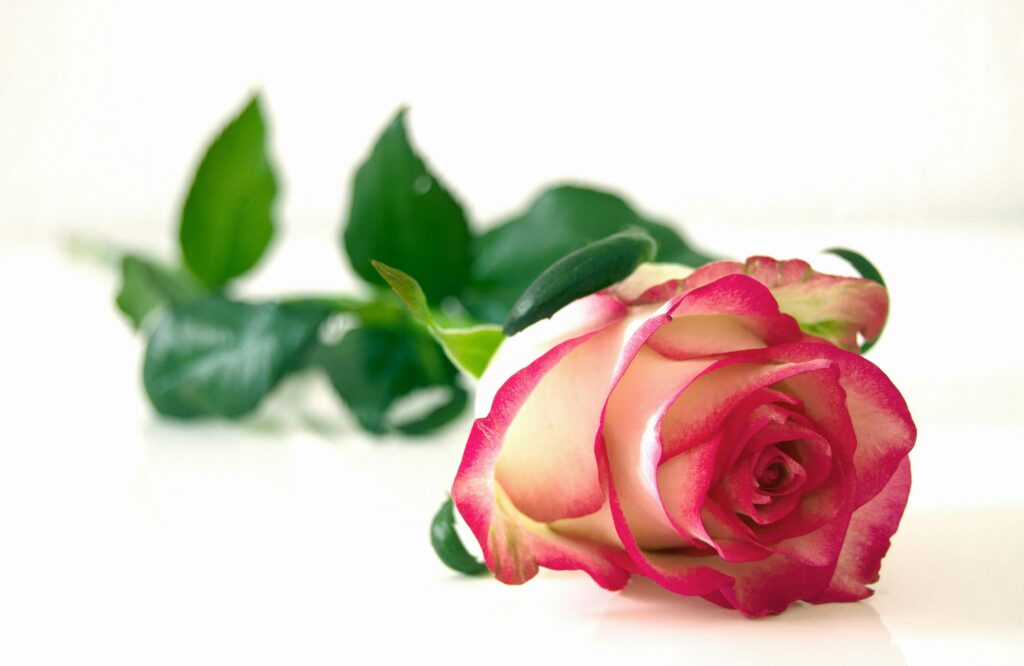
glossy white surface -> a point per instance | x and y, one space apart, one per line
293 538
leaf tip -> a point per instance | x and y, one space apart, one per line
398 119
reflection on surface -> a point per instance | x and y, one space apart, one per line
655 623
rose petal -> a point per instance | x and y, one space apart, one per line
799 568
578 318
683 484
867 540
882 424
547 464
648 276
513 544
733 313
771 585
631 431
707 401
695 336
833 307
706 274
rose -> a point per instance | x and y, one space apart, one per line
710 430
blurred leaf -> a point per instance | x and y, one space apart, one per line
408 289
402 215
867 271
581 273
147 285
441 415
216 357
469 348
373 366
447 544
228 219
509 257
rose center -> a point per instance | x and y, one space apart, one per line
772 475
777 473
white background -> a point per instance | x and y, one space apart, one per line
897 129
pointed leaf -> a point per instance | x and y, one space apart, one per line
403 215
469 348
408 289
583 272
147 285
228 218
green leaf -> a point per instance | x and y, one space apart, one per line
447 544
441 415
216 357
228 218
867 271
509 257
373 366
583 272
408 289
147 285
402 215
470 348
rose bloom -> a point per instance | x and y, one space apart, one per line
714 430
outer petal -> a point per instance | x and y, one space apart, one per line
579 317
828 306
835 308
730 314
704 275
515 545
771 585
867 541
547 464
648 276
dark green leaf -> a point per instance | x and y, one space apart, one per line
510 256
402 215
219 358
373 366
147 285
585 271
867 271
470 348
447 544
441 415
228 218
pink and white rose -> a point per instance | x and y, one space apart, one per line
713 430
